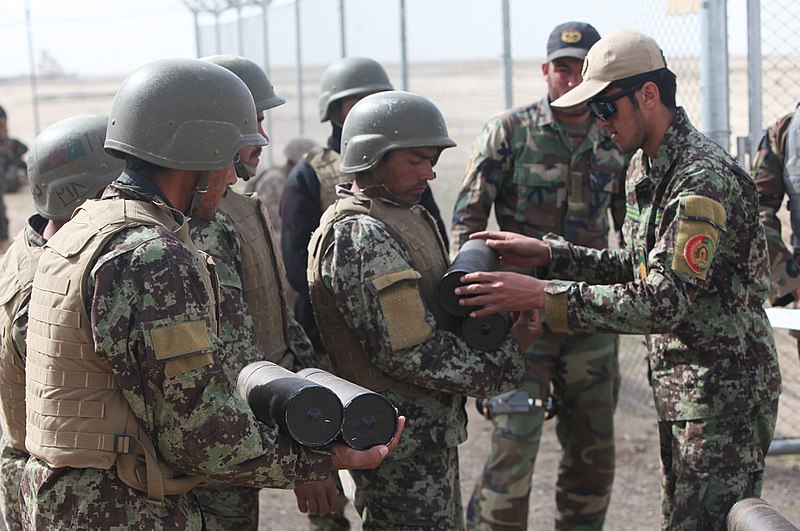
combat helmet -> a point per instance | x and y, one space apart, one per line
253 76
348 77
386 121
67 165
183 114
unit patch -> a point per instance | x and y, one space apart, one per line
698 252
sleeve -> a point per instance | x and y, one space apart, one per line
377 290
150 321
490 162
19 330
595 266
300 212
677 267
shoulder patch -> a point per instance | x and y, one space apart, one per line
403 309
700 220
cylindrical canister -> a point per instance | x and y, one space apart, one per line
308 412
485 333
474 256
369 417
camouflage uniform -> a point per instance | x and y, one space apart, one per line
226 507
15 288
11 164
544 178
694 277
146 276
774 181
417 486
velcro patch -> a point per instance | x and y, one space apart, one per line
403 309
701 219
180 339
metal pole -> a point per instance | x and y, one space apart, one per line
507 62
714 71
32 68
342 32
403 46
754 78
239 30
267 121
299 69
196 33
217 32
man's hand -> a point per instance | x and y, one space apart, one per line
527 328
501 291
317 497
346 458
515 249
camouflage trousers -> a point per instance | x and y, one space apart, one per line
92 498
583 372
707 465
225 507
421 492
12 463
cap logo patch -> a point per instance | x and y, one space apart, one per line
571 36
699 252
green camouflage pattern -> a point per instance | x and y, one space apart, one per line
767 171
711 350
525 164
363 249
582 371
198 423
705 466
435 502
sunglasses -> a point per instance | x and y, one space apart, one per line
604 108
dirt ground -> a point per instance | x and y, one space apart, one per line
635 498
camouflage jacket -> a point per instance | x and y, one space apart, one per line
12 167
363 250
768 172
219 239
146 277
524 164
694 278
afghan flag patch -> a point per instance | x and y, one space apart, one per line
699 252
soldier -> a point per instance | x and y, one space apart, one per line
694 277
554 171
254 321
375 262
12 171
776 170
310 188
129 405
66 166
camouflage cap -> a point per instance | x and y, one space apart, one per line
571 39
623 54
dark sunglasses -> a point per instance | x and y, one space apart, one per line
604 108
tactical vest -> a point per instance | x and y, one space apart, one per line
791 177
262 275
325 163
416 232
16 280
77 414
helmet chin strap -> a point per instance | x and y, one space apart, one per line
244 171
199 191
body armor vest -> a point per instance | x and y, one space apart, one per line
262 275
16 281
791 177
77 415
416 232
325 163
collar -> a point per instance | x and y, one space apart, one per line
672 147
133 185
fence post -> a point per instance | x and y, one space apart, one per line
754 88
507 62
403 46
299 69
343 35
714 71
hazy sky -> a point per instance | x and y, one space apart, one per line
89 37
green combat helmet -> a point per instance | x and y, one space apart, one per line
386 121
183 114
253 76
67 165
348 77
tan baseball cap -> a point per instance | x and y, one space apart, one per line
620 55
